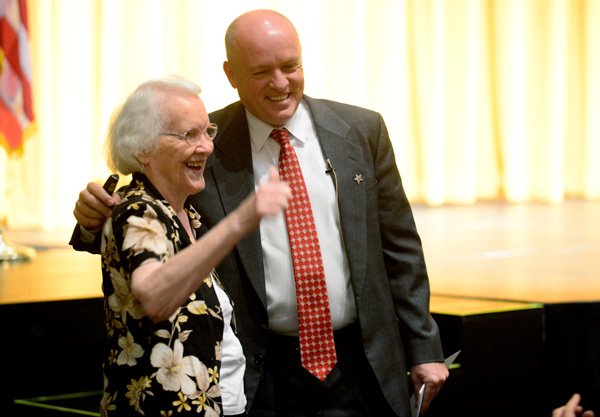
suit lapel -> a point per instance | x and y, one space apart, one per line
234 180
334 135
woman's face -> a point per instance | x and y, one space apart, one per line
175 167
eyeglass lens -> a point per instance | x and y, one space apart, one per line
193 135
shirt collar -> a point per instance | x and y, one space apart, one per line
299 126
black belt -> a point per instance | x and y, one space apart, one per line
348 334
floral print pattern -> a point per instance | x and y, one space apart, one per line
156 369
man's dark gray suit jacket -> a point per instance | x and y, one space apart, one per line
384 251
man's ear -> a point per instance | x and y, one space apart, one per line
229 73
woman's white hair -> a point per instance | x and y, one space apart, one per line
136 126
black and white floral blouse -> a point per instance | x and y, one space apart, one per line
156 369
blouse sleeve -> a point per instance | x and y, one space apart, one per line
142 230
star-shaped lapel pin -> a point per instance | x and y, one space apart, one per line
358 178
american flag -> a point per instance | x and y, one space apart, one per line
16 107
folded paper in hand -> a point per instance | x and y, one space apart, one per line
416 400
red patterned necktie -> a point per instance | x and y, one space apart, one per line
317 347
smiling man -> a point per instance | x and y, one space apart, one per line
375 272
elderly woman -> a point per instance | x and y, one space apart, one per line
172 349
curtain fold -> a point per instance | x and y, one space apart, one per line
484 99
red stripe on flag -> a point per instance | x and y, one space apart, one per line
8 42
10 127
23 14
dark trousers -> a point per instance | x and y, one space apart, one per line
288 390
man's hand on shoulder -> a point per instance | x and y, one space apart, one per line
94 206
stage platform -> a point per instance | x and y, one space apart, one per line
517 252
515 286
499 251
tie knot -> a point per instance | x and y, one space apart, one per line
280 135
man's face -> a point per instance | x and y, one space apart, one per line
266 69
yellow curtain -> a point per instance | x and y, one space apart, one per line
484 99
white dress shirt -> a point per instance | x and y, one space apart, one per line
280 285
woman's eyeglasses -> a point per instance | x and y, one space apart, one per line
193 135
